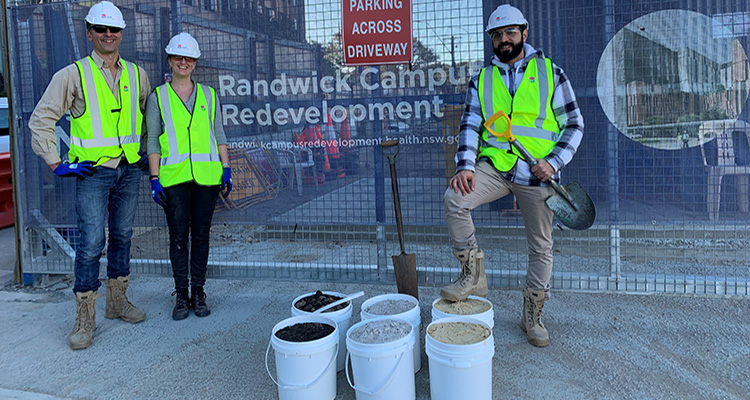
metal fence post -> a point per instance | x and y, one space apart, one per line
379 187
613 181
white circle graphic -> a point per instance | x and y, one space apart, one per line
675 79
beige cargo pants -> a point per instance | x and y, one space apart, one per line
537 218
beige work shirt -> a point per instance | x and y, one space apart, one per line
64 93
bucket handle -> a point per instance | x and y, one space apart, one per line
297 387
387 381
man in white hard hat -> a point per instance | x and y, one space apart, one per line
545 117
106 97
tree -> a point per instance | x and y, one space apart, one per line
423 55
333 55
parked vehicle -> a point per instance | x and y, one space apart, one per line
4 117
7 215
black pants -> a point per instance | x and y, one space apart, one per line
190 208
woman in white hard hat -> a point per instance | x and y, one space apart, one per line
189 166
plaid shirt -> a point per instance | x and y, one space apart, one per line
564 105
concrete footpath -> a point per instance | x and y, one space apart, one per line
604 346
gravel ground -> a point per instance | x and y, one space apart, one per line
603 345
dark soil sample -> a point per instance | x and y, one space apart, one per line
318 300
304 332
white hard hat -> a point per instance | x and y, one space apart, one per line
105 13
505 15
182 44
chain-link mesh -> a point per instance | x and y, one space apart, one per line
662 86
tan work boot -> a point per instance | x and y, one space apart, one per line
531 318
471 280
118 305
82 335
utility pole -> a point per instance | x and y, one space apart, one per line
453 52
12 132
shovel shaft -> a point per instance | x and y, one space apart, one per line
396 202
404 265
526 156
524 153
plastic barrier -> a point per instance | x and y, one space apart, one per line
7 213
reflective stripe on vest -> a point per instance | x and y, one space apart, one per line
100 134
191 155
530 111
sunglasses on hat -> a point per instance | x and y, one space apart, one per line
103 29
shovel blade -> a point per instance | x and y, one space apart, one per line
580 217
405 268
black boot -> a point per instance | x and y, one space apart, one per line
182 304
198 302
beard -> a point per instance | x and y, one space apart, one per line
506 56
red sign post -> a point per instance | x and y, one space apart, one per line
376 31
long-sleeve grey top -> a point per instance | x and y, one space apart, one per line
155 125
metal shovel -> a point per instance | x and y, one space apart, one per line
404 265
571 205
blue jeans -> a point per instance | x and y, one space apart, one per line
112 192
189 210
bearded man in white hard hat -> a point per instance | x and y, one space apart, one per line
545 117
106 97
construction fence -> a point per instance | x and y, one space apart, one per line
665 156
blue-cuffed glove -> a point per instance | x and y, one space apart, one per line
142 163
226 182
79 169
157 193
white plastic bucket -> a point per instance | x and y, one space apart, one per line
305 370
412 316
381 371
487 317
341 317
460 371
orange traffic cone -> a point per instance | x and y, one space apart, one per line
344 132
332 148
349 155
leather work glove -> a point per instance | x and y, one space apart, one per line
157 193
79 169
142 163
226 182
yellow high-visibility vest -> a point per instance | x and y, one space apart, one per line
530 111
109 126
188 144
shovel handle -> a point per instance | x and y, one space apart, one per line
390 143
507 134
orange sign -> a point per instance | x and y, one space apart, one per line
376 31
